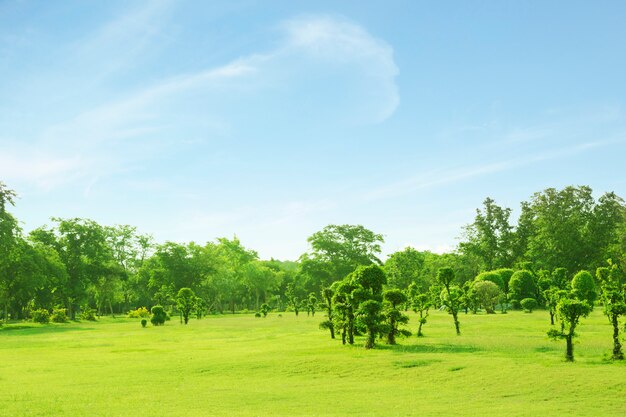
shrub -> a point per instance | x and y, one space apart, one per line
528 304
264 309
505 274
257 314
88 314
583 287
158 316
41 316
144 322
141 312
59 315
492 277
521 286
488 294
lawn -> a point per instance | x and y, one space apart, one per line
502 365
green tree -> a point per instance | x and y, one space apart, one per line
490 236
570 311
185 302
404 267
393 301
488 295
522 285
327 296
450 295
614 300
369 316
583 287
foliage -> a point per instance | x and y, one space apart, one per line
393 316
144 322
369 316
528 304
584 288
139 313
159 316
614 301
87 313
185 301
570 311
450 295
488 294
41 315
264 309
59 315
491 276
522 285
404 268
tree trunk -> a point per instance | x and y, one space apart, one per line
419 329
371 338
343 335
351 330
617 346
569 353
456 324
391 336
111 308
551 318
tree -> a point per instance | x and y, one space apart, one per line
522 285
614 300
421 304
490 236
311 304
404 267
327 295
369 316
158 315
450 295
9 235
583 287
185 302
336 251
571 229
528 304
488 294
393 300
265 309
569 310
552 296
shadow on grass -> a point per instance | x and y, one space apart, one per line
28 328
431 348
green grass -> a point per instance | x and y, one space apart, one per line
502 365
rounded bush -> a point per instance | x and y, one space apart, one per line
521 286
528 304
59 315
583 287
158 316
144 322
41 316
491 276
141 312
257 314
88 314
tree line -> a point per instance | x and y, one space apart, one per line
539 260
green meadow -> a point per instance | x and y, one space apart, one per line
239 365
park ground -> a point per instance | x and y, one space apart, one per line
239 365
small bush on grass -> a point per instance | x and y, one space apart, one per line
528 304
88 314
41 316
158 316
59 315
141 312
144 322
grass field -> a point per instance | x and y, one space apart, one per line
502 365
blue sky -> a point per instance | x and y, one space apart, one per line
271 119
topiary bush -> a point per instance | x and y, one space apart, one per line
584 288
492 277
257 314
144 322
41 316
88 314
59 315
141 312
521 286
158 316
528 304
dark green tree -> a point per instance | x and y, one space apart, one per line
185 302
450 296
570 311
394 299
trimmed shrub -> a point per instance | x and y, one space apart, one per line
521 286
41 316
158 316
505 274
583 287
528 304
88 314
59 315
141 312
144 322
492 277
257 314
488 294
